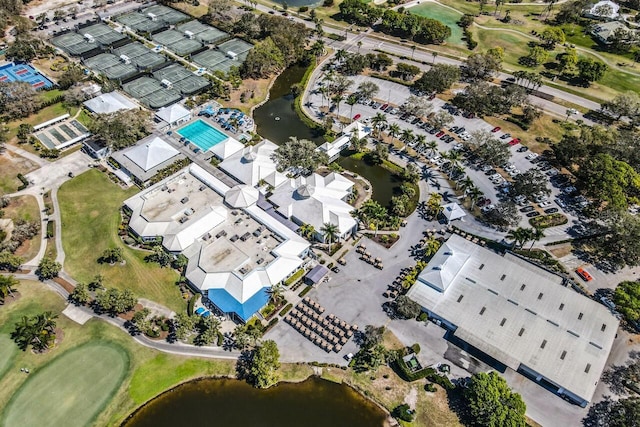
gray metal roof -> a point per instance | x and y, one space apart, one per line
317 273
518 313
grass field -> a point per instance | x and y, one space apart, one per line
26 208
8 351
11 165
41 116
72 389
443 14
90 208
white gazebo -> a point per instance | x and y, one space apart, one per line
453 211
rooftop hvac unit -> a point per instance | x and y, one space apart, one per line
89 38
232 55
166 83
189 34
152 16
125 59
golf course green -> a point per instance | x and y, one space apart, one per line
71 390
447 16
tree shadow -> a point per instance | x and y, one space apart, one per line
243 366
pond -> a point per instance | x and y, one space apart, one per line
276 119
226 402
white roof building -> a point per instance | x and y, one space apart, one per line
453 211
145 159
226 148
317 200
334 148
519 314
253 164
174 114
235 253
597 10
109 103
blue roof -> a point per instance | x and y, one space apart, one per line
228 304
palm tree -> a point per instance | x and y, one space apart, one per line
351 101
454 158
330 233
474 193
432 146
7 284
378 121
431 246
466 184
421 140
535 235
336 101
307 231
393 131
519 236
406 136
323 91
434 206
276 291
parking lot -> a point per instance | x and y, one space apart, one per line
393 95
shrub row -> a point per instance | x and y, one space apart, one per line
50 229
271 324
468 36
517 122
191 304
441 380
286 309
220 339
336 37
25 182
305 291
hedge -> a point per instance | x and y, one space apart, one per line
441 380
517 122
336 37
295 277
220 339
191 304
286 309
25 182
50 229
405 373
271 324
305 291
546 221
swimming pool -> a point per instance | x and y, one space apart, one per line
203 135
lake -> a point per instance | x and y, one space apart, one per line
225 402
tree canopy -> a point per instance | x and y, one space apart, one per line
122 128
438 78
627 300
265 364
18 100
48 268
299 153
492 403
264 59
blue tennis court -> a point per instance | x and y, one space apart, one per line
24 73
202 135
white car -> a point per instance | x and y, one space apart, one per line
487 208
545 204
513 172
520 199
509 166
531 156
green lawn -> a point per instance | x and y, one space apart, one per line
8 351
72 389
443 14
25 208
90 207
41 116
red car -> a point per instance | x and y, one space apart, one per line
356 117
384 106
439 134
584 274
496 129
514 141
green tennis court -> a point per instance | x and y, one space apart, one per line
71 390
102 33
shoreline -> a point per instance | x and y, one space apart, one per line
389 421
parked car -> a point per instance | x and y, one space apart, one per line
544 204
523 148
433 131
584 274
531 156
485 168
568 190
551 210
533 214
514 141
460 130
453 128
384 106
496 129
487 208
527 209
439 134
356 117
506 136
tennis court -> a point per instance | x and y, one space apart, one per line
63 134
140 23
165 14
102 33
150 92
202 32
23 73
140 56
181 79
111 66
74 44
236 46
214 60
177 42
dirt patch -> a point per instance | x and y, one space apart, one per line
129 314
251 93
66 285
411 399
9 299
561 251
